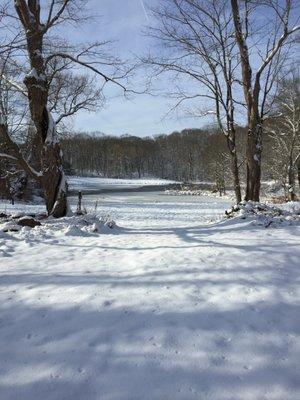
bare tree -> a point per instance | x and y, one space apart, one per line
70 93
279 24
199 50
37 82
284 128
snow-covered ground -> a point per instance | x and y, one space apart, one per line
169 305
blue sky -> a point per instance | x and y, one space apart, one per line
142 115
125 22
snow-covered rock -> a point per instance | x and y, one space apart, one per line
28 221
266 214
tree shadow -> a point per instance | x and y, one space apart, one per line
193 236
64 352
156 334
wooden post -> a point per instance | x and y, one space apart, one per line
79 209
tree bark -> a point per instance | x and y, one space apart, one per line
254 138
291 182
252 90
52 176
298 172
253 160
236 179
231 143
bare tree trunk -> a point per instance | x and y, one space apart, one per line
236 178
253 160
234 170
298 172
52 180
231 143
291 181
252 89
253 150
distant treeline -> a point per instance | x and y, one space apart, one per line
189 155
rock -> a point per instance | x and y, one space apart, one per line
11 229
3 215
28 221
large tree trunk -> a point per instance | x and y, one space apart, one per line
253 159
52 177
236 178
54 184
254 139
231 143
291 181
53 181
298 172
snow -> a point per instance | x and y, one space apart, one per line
291 206
62 191
33 74
171 303
200 192
51 132
14 84
94 183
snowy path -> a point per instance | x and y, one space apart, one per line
166 307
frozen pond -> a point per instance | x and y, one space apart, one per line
131 201
154 207
95 184
144 199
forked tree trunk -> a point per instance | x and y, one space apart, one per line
254 139
52 177
252 88
54 183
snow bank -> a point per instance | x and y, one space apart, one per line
266 214
76 225
198 192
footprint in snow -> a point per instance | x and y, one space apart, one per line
222 342
52 376
218 360
108 303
